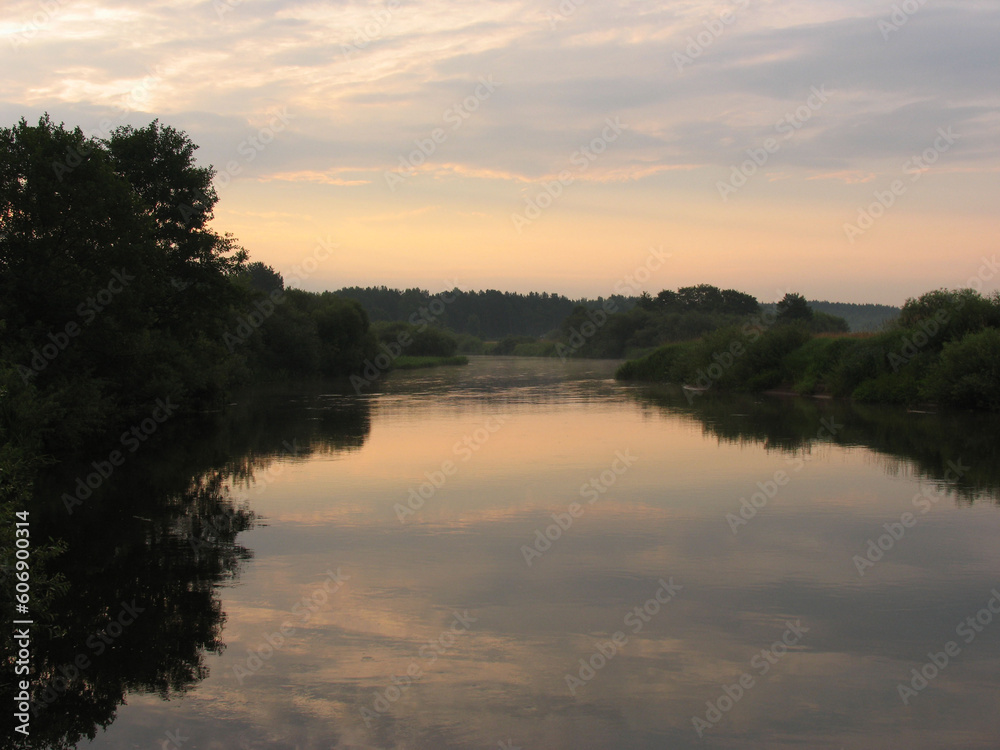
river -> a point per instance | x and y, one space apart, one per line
524 553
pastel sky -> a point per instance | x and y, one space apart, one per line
845 149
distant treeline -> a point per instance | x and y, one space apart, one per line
492 315
682 315
859 317
610 328
489 315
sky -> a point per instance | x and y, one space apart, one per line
845 150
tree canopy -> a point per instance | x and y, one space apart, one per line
794 307
115 290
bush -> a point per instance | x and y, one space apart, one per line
825 323
469 344
854 361
889 388
535 349
662 365
425 341
957 312
508 345
910 362
968 374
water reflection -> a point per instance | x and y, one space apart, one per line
929 444
147 553
443 636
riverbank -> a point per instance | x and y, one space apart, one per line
944 350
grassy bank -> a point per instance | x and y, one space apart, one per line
944 349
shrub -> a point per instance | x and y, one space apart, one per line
968 374
429 342
889 388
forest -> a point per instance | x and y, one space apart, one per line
492 315
489 315
508 323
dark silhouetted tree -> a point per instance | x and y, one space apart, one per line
793 307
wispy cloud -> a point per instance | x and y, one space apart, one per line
366 83
848 176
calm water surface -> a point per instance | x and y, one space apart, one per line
582 577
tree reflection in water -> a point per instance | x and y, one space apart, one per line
146 553
926 444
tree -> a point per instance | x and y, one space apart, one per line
111 299
177 196
263 278
794 307
667 301
822 322
950 314
967 374
646 302
739 303
704 298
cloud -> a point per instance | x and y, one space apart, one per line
366 83
848 176
327 177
